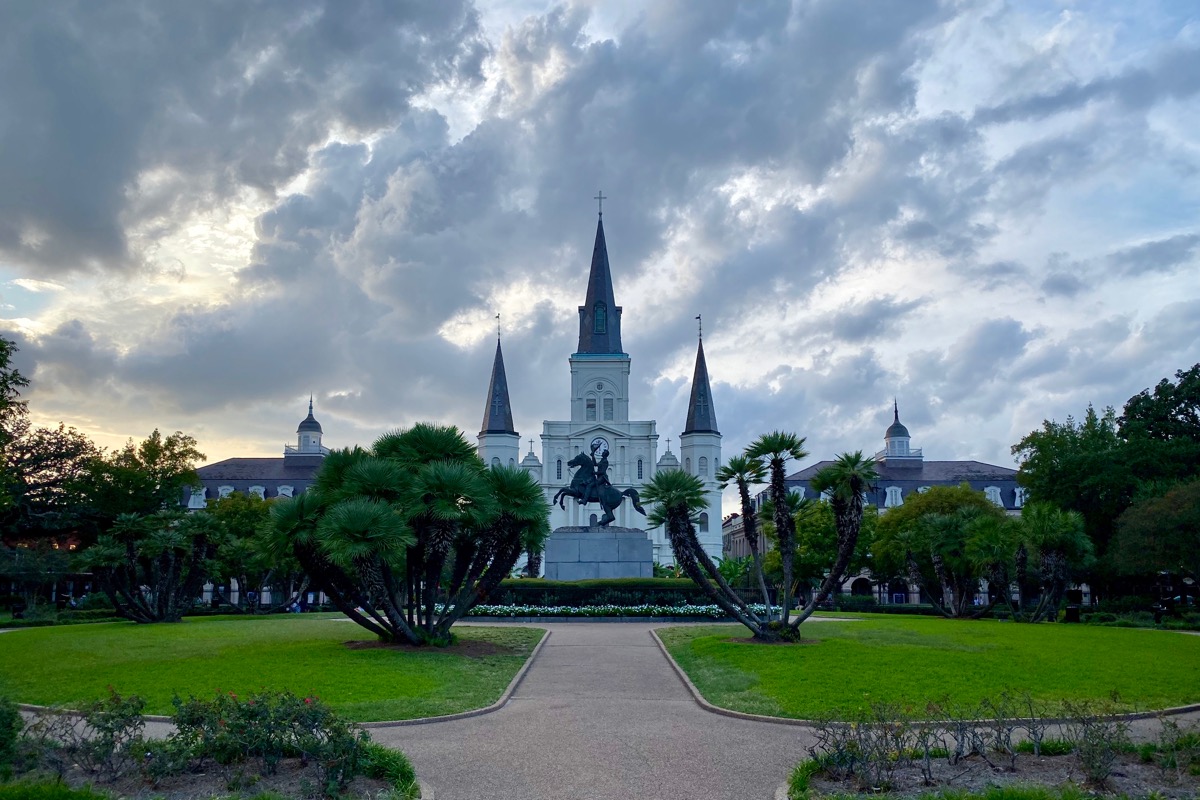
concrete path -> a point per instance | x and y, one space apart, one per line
600 716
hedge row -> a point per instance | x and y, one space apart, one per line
616 591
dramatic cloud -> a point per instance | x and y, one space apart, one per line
209 211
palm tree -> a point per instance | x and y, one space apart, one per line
743 471
845 482
776 448
1059 543
678 499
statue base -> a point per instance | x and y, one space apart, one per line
578 553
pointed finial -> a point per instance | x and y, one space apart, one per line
310 397
600 198
700 326
896 409
497 326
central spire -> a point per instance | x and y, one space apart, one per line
600 316
702 417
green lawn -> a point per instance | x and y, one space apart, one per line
305 654
846 666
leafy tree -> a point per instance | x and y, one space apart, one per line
745 471
936 540
776 448
246 557
154 567
33 570
408 536
44 469
12 408
1161 534
143 478
1055 545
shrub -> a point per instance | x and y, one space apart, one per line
10 731
48 790
103 737
616 591
1099 737
850 602
392 766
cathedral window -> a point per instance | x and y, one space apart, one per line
703 526
495 461
608 408
600 318
703 467
590 409
640 476
558 470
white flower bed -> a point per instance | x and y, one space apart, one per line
699 612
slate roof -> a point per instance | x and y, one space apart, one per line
603 339
497 414
924 471
261 469
701 416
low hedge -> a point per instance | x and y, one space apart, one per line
615 591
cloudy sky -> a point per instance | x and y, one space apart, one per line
209 210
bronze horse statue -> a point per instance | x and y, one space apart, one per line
586 488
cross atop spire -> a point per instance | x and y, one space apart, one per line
699 327
600 198
497 326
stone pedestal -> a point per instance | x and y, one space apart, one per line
577 553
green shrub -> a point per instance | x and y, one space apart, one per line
616 591
1125 605
48 790
1048 747
10 731
392 766
850 602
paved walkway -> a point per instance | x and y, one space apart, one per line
600 716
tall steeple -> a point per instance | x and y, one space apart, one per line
600 316
497 414
701 417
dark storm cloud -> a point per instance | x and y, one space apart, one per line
1063 284
210 97
870 320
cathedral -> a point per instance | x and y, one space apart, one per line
600 422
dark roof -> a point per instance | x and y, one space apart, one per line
497 414
928 471
600 336
309 423
701 416
259 469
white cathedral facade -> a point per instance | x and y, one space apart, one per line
600 419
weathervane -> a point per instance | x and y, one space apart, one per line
497 324
700 326
600 198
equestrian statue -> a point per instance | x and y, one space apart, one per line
590 484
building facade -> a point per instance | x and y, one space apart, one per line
600 420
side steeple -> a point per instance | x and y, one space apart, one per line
600 316
497 414
701 416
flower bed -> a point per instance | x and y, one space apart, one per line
708 612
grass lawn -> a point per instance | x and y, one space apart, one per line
305 654
845 666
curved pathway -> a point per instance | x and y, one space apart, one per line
600 716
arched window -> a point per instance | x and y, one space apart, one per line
599 318
257 491
640 476
592 521
687 465
993 493
558 470
589 406
703 466
286 491
512 462
608 408
495 461
703 526
895 497
224 491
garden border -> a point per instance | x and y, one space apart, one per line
808 723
